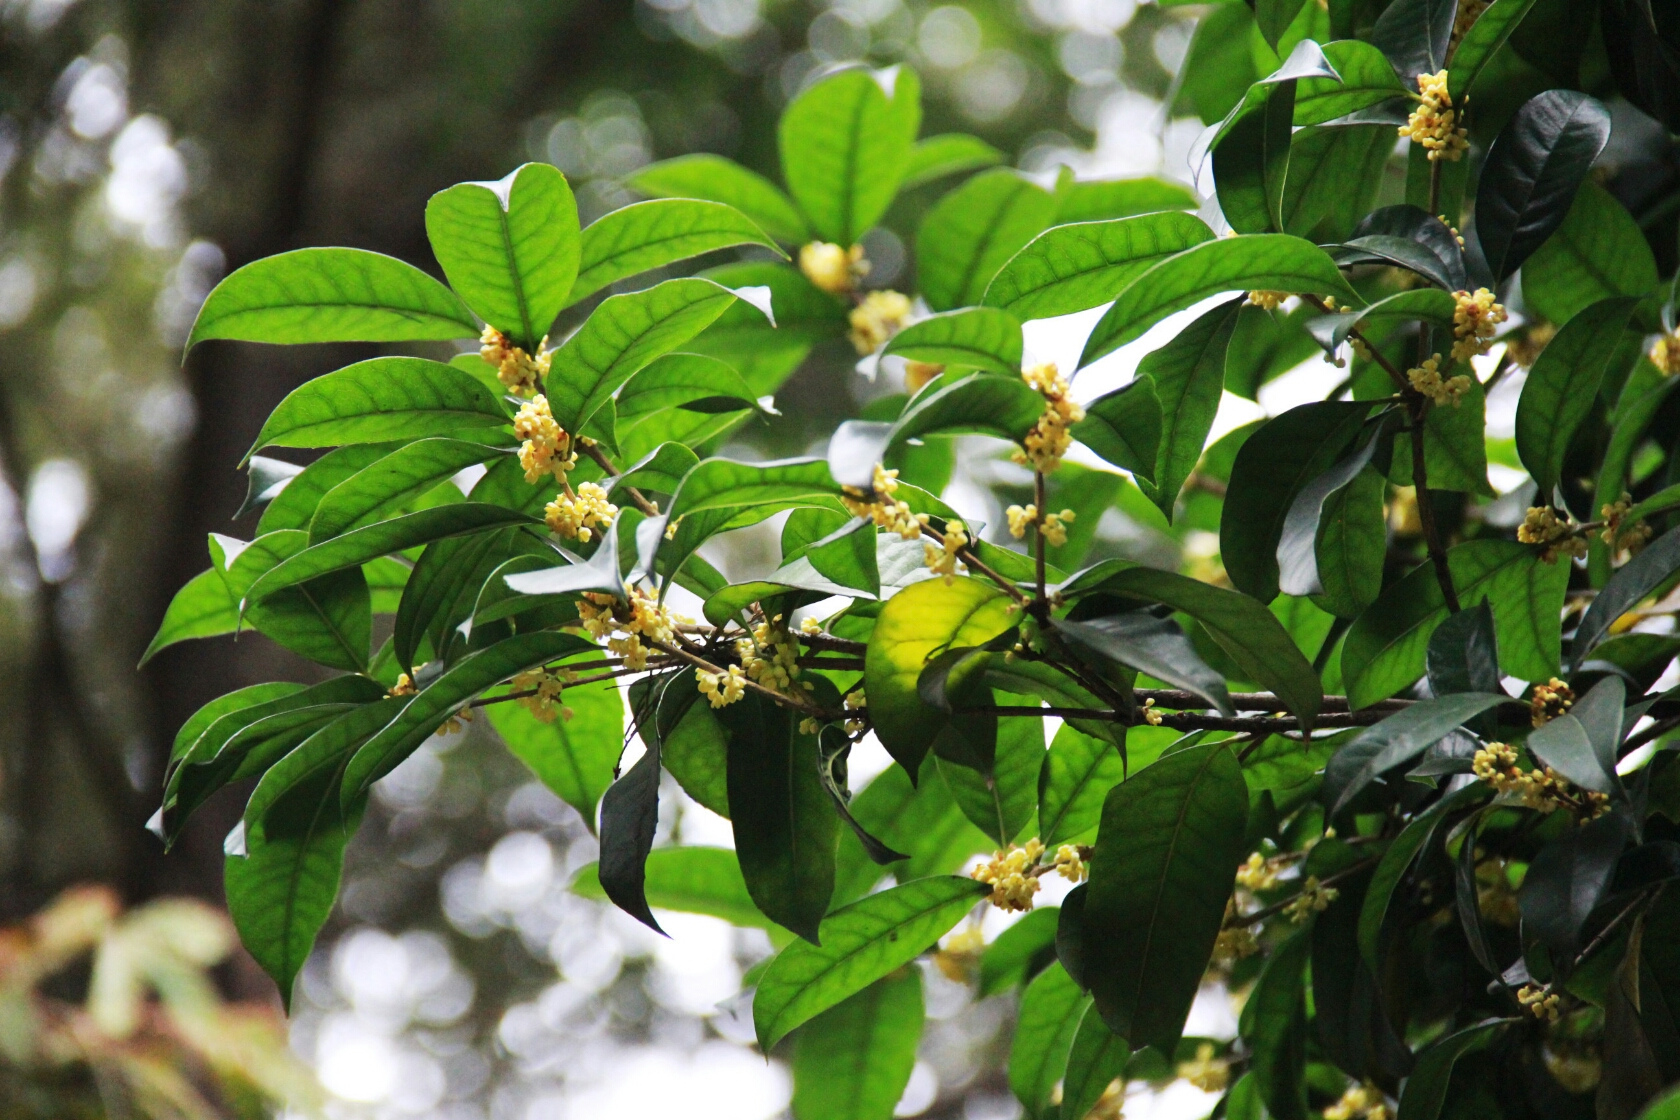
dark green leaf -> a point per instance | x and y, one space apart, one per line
1581 744
1566 882
854 1060
1479 44
1632 582
707 176
1597 253
1463 654
1051 1010
1154 646
1352 546
629 817
1334 173
1251 160
381 399
1454 447
1397 859
1076 267
1411 238
971 232
1563 385
846 144
646 235
981 403
1273 1023
999 801
1124 427
1020 952
1188 378
1077 774
387 485
1095 1058
1397 739
1416 35
1425 1091
983 337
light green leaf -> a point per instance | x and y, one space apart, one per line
294 506
854 1060
690 880
861 943
676 380
1051 1010
934 157
661 470
1187 376
1124 427
1106 199
510 248
1598 252
1077 775
1095 1058
201 609
573 755
1367 80
973 231
387 485
712 177
982 337
979 404
845 145
1076 267
377 400
1454 447
1269 261
646 235
331 295
1490 32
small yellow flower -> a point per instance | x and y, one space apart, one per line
1070 864
547 449
809 726
520 372
1618 533
1559 535
881 507
1549 701
403 687
855 701
959 958
1426 379
880 316
918 374
1314 897
831 268
770 656
1011 875
1665 354
1206 1072
1362 1102
456 722
1474 319
1150 715
1539 1003
1234 944
573 514
1266 299
941 559
1054 527
722 689
544 703
1433 123
1049 440
624 626
1257 873
1021 518
810 625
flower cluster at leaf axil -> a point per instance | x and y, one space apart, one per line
1620 533
879 505
1266 299
722 688
1434 123
1560 536
1426 379
1475 318
1362 1102
941 558
519 372
1549 701
1049 440
831 268
1665 354
632 628
1257 873
1206 1072
547 448
1053 526
576 514
1014 874
878 317
770 656
545 687
1540 1002
1314 897
1544 790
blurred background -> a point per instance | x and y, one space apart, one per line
148 147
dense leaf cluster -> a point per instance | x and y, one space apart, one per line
1395 766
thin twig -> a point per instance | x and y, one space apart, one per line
1395 375
1426 514
594 452
622 671
1039 502
752 685
1186 721
830 644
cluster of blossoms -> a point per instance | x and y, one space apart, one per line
631 629
879 505
1427 380
520 372
941 559
1070 863
960 955
1549 701
545 686
1539 1003
1524 347
1362 1102
1012 875
405 686
771 656
574 514
456 722
1054 525
1257 873
1206 1072
1469 11
1049 439
856 701
1434 123
1150 715
831 268
1542 526
1665 354
1313 898
1267 300
877 318
1495 897
722 689
1233 944
547 448
1618 534
1542 790
1474 321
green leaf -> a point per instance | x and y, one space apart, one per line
1156 647
845 146
646 235
1076 267
1636 579
725 484
1000 803
1221 63
1334 173
208 729
630 817
1454 447
1124 427
201 609
785 826
1166 853
981 337
377 400
973 231
916 624
1020 952
319 758
510 248
1532 172
717 179
1397 739
1188 378
981 403
676 380
1251 158
294 506
1051 1010
1425 1091
1243 628
331 295
573 756
949 153
1076 777
1563 385
1411 238
1582 744
386 486
1095 1058
1416 35
1273 1023
1384 649
1367 80
690 881
460 683
1479 44
623 335
1106 199
854 1060
1270 261
861 943
1597 253
1352 545
1397 859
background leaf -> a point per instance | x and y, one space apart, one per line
973 231
1562 385
707 176
845 146
854 1060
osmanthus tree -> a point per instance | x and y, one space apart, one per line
1352 769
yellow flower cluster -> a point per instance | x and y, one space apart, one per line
1495 897
831 268
1049 439
547 448
1665 354
1234 944
1314 897
810 625
1012 876
1542 526
770 656
1150 715
1427 379
404 687
722 689
1266 299
1474 321
1206 1072
456 722
959 957
1112 1104
1054 525
1452 229
918 374
1070 863
941 559
1257 873
545 686
1362 1102
880 316
1619 535
1540 789
631 629
1433 123
881 507
573 513
1549 701
1540 1003
855 701
519 371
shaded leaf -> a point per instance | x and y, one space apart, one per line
1397 739
854 1060
845 144
970 233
